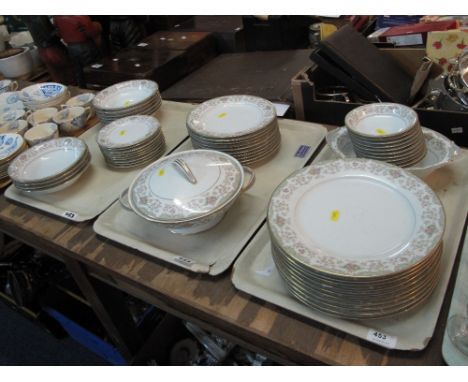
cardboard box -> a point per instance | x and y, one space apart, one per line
308 107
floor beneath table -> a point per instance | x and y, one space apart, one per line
24 343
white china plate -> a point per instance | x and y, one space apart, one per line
231 116
125 94
356 218
440 150
381 119
47 159
128 131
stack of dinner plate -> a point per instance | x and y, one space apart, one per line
357 238
11 145
132 141
242 126
387 132
50 166
136 97
42 95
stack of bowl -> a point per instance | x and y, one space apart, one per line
50 166
11 145
440 150
357 238
243 126
132 141
136 97
46 94
387 132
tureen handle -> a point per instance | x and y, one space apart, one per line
251 180
123 199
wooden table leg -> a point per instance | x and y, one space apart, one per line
107 303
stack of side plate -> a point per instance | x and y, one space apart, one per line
11 145
132 141
440 150
357 238
50 166
388 132
136 97
242 126
42 95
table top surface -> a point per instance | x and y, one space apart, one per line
212 301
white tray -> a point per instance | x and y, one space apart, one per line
451 354
101 185
213 251
255 273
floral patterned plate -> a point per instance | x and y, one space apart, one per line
356 218
231 116
440 150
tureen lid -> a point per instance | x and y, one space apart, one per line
163 193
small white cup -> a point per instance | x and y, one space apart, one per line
41 116
72 118
20 126
41 133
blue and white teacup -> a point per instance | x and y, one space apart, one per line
8 86
11 115
83 100
72 118
20 126
41 116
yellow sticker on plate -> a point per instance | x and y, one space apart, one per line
122 133
161 172
335 215
127 103
381 131
222 115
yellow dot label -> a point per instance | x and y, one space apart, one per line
335 215
127 103
122 133
222 115
380 131
161 172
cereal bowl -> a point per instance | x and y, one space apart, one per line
41 133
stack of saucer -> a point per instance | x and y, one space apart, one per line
387 132
136 97
42 95
11 145
50 166
132 141
242 126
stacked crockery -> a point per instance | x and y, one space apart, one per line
357 238
127 98
47 94
243 126
387 132
50 166
11 145
132 141
440 150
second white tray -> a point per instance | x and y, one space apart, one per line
213 251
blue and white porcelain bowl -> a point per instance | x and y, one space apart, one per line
72 118
47 94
